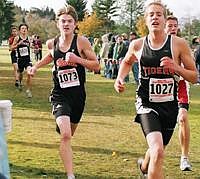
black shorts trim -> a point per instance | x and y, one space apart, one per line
23 64
184 105
152 121
69 108
13 57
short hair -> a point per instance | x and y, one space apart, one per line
133 33
194 41
13 28
171 17
69 10
23 25
156 2
124 35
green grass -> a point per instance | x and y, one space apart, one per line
106 127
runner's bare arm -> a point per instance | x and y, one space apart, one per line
189 71
127 62
125 67
88 58
48 58
14 44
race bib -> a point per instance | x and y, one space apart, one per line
23 51
161 90
68 78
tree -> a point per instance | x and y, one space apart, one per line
134 9
191 28
90 25
105 10
43 27
79 6
131 11
141 27
44 13
38 21
6 18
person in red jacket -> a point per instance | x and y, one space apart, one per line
183 98
13 54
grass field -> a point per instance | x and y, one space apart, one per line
106 129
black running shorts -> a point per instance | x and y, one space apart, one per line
23 64
13 57
161 118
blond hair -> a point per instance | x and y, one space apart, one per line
69 10
155 2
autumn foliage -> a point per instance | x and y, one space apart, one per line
90 25
141 26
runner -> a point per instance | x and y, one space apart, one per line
22 45
71 54
159 61
13 55
183 98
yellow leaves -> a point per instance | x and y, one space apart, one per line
141 26
90 24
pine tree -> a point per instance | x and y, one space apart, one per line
6 18
105 10
79 6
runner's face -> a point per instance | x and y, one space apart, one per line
155 19
171 27
66 24
14 32
23 30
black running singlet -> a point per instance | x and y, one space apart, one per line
67 77
157 84
23 50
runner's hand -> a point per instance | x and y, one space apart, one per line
31 70
169 63
119 85
71 58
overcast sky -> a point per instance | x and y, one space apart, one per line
55 4
181 8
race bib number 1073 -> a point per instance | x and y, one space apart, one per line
161 90
68 78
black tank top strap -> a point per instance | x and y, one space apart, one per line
56 43
73 47
55 48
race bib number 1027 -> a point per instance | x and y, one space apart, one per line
68 78
161 90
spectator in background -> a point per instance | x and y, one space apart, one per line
119 52
104 52
13 54
111 47
39 43
126 42
37 47
135 69
196 47
96 47
105 47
